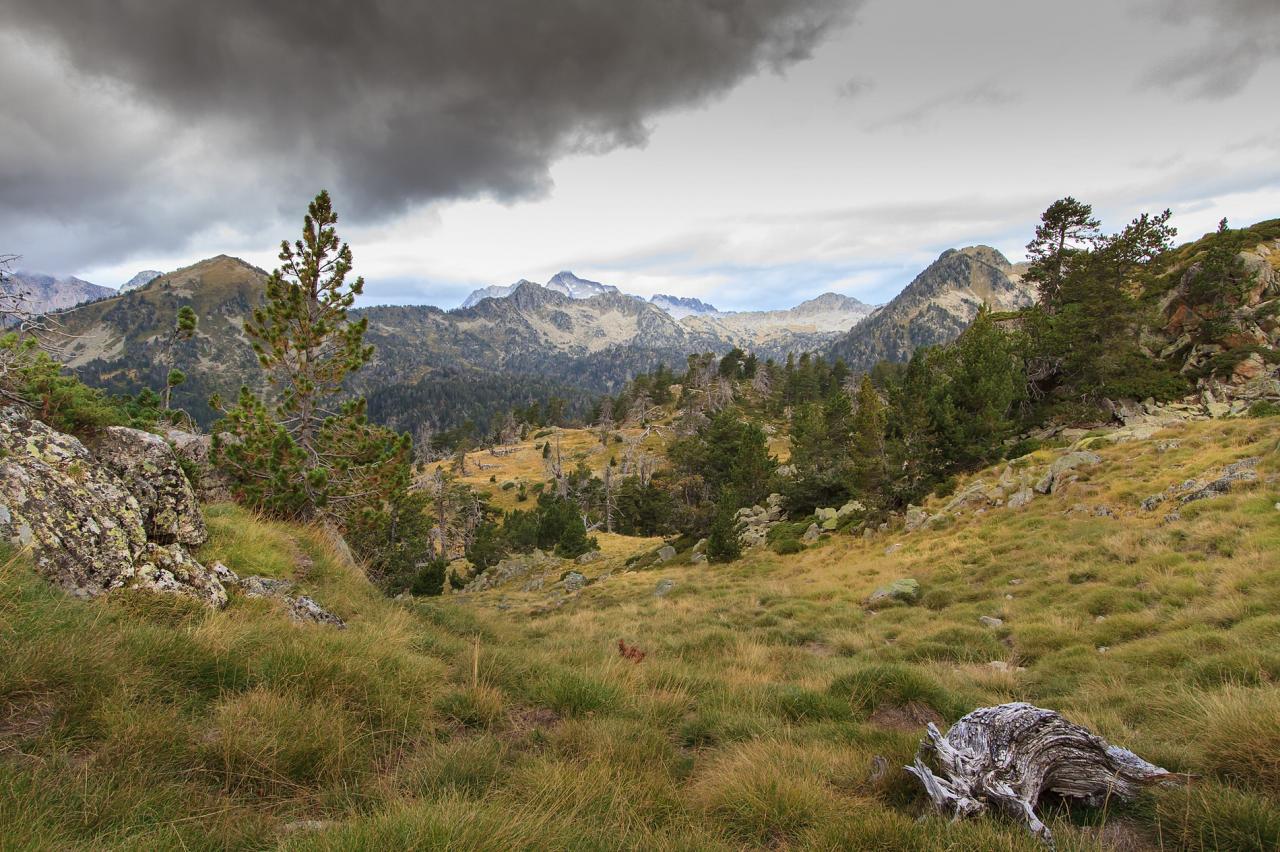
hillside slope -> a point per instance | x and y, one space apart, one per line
45 293
935 307
772 708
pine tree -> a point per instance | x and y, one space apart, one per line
1066 228
722 541
310 450
869 460
184 328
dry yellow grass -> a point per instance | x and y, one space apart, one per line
772 709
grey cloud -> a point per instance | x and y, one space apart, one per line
388 104
1241 36
985 94
855 87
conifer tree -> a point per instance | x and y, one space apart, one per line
310 450
1066 228
868 439
184 328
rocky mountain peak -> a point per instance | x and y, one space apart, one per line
142 279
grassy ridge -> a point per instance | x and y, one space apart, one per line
756 719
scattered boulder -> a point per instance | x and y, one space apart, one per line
1192 490
698 558
666 553
300 608
851 508
906 590
990 621
574 581
303 608
169 568
915 518
589 557
147 466
1021 498
754 522
811 534
663 588
1062 467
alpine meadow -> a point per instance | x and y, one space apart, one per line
858 427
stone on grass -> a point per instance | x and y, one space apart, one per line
906 590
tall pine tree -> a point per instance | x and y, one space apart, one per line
310 450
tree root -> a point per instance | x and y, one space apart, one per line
1007 756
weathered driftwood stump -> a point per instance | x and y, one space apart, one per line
1008 756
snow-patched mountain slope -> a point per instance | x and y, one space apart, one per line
565 283
682 306
142 279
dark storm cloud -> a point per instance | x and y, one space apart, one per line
1243 35
389 103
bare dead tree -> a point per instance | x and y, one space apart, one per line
610 499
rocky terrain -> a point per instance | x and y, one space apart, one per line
118 513
935 307
45 293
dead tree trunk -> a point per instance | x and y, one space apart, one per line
1008 756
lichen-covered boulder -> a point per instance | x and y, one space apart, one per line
1063 467
300 608
195 451
147 466
906 590
84 528
169 568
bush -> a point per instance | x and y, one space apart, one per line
1264 408
872 685
786 546
722 543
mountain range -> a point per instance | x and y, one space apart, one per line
572 337
45 293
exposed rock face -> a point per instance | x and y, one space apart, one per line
210 484
1059 473
150 471
754 522
1192 490
86 530
935 307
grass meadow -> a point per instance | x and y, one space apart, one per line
772 709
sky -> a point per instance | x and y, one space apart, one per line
752 153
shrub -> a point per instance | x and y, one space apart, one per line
722 543
871 685
786 546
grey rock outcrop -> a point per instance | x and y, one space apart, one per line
754 522
1192 490
210 484
86 528
905 590
300 608
147 466
1062 469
